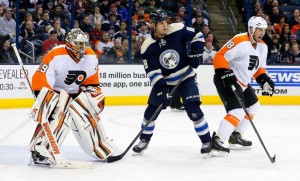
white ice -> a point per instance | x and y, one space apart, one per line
173 153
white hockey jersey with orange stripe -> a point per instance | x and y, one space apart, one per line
245 60
59 71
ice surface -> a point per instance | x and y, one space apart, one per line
173 153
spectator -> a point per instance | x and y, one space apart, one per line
111 26
76 24
102 47
31 34
1 11
117 54
7 24
66 24
51 42
141 12
121 10
198 24
96 34
293 20
4 4
85 25
6 53
105 8
144 30
113 10
295 53
285 34
279 25
136 6
182 15
151 7
45 24
293 39
275 15
137 56
285 56
273 49
28 17
96 16
296 27
38 14
57 13
122 34
209 52
210 36
60 31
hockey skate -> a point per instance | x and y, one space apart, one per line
206 150
139 148
236 142
218 150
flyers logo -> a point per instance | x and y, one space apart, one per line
253 62
76 76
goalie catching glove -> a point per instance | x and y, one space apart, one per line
96 97
266 83
195 58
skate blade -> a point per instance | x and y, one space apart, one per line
238 147
216 153
137 154
207 155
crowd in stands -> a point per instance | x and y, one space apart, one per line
44 24
283 33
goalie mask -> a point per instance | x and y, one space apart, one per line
76 42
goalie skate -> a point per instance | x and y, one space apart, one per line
139 148
236 142
218 150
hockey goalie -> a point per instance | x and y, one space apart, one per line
68 97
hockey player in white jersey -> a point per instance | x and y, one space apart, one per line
69 97
236 63
166 59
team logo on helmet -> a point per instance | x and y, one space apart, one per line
169 59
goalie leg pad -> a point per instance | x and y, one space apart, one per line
88 128
59 122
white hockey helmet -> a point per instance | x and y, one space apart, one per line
76 42
256 22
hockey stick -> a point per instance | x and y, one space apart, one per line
60 161
119 157
272 159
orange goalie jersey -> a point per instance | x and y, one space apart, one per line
244 59
59 71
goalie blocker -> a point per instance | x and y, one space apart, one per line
63 113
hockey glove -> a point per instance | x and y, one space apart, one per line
163 97
95 96
266 83
195 58
228 78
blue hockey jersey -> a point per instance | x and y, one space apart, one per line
165 60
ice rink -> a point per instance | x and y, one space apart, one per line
172 155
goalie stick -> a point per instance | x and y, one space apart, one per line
272 159
119 157
60 161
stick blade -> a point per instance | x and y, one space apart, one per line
111 159
273 159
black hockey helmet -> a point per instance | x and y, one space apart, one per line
158 16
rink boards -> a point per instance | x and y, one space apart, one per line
128 85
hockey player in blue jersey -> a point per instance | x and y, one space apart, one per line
166 59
